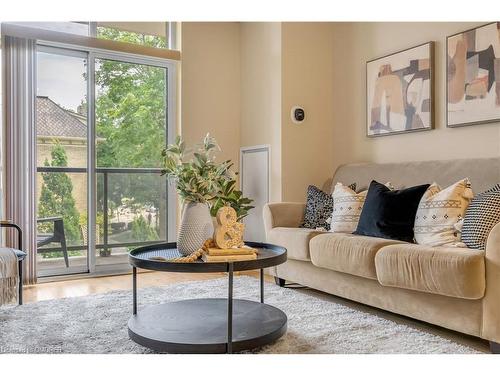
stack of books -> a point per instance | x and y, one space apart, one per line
213 254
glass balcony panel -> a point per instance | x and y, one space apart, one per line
61 216
136 212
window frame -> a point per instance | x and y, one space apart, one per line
73 41
92 54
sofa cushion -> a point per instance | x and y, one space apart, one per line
347 253
453 272
295 240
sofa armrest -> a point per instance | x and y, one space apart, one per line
285 214
491 300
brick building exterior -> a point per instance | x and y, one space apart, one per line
56 124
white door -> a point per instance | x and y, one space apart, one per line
254 182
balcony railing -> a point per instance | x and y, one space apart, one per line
106 174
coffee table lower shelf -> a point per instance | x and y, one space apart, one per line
200 326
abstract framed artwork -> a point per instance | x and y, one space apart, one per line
399 92
473 76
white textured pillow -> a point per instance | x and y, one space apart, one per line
438 213
347 206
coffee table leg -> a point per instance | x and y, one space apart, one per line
134 289
230 310
262 285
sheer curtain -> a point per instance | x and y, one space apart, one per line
2 156
19 161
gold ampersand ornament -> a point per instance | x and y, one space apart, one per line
229 233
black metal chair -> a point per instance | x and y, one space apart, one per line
21 255
57 235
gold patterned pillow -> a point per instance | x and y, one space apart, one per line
438 212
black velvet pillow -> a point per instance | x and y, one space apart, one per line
390 213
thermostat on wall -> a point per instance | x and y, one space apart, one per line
298 115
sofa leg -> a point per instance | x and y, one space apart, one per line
279 281
494 347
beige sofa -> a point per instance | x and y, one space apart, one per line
455 288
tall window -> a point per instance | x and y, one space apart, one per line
102 120
130 114
62 153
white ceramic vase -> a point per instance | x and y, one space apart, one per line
196 227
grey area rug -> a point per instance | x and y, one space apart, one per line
98 323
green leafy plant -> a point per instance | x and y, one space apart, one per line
201 179
197 175
142 231
229 196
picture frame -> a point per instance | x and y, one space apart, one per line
400 92
473 76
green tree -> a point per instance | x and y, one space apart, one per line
141 231
130 108
131 37
130 121
56 196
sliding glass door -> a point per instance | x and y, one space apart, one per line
102 122
131 131
62 154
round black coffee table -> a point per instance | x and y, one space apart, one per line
206 325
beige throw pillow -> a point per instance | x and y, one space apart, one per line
347 207
438 213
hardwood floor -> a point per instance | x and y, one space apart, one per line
95 285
